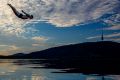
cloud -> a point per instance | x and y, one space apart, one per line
39 39
7 49
113 20
113 37
35 44
11 44
117 40
39 45
66 13
61 13
115 27
107 36
93 37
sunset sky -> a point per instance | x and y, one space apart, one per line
56 23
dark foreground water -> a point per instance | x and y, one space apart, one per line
19 69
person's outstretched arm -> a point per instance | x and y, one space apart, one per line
28 15
25 13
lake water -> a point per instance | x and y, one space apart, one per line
19 69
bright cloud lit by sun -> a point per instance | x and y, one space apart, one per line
51 11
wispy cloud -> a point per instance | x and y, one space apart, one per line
39 39
114 37
117 40
115 27
93 37
40 45
61 13
114 19
7 49
76 11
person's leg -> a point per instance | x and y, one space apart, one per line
14 10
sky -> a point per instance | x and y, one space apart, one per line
57 23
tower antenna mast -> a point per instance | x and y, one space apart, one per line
102 36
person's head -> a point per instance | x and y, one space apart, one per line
31 17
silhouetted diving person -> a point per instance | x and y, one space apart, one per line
20 15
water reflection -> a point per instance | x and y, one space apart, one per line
25 70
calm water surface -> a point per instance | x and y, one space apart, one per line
16 69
